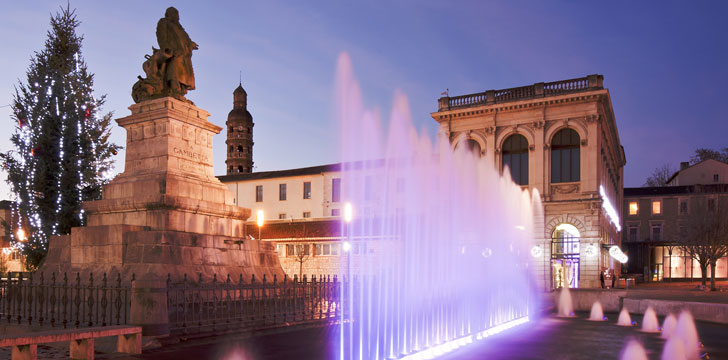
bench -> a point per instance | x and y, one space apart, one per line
25 347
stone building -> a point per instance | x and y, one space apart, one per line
239 140
560 139
656 218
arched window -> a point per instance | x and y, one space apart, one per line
565 157
231 129
470 144
240 169
240 148
231 148
515 157
230 170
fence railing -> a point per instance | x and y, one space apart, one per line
520 93
260 303
57 301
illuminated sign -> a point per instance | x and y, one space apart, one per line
591 250
617 254
536 251
611 212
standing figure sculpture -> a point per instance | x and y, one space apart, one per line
169 68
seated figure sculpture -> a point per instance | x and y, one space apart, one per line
169 68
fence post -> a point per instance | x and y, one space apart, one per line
149 307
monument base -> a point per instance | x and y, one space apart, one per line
166 214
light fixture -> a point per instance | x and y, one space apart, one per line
617 254
611 212
21 235
591 250
536 251
348 212
260 218
346 246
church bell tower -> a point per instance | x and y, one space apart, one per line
239 135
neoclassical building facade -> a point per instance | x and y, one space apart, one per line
559 139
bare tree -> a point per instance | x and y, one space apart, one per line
660 176
706 236
302 251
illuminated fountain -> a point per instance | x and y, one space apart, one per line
597 313
649 321
634 351
624 318
686 331
439 242
668 326
565 306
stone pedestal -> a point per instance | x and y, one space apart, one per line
166 213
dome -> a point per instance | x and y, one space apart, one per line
240 114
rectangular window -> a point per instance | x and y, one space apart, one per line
683 206
282 192
334 249
307 190
259 193
282 216
306 214
303 250
656 207
335 190
335 212
633 233
716 178
633 208
290 250
317 250
326 249
657 232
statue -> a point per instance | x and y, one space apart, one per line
169 68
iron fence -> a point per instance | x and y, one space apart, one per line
64 302
236 305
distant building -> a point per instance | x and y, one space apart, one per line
10 258
705 172
656 217
558 138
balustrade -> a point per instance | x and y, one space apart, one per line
521 93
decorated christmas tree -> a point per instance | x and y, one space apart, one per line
61 154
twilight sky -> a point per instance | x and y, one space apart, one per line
664 63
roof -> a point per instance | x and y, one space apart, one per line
312 170
676 190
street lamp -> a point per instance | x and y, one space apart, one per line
260 222
21 235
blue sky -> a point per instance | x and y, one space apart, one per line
665 63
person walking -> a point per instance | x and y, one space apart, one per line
613 277
601 278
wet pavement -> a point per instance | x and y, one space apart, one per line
578 338
545 338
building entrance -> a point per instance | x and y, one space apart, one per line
565 249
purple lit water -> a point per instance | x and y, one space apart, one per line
440 241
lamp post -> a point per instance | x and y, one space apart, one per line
260 223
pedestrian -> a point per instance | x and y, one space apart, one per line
613 277
601 278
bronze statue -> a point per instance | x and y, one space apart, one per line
169 68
